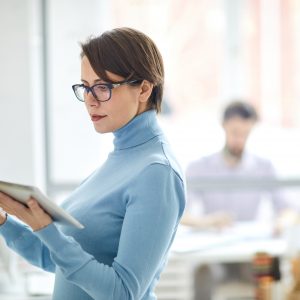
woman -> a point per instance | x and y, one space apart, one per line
132 204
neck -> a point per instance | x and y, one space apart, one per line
139 130
230 158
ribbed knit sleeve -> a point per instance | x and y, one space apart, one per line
154 205
23 241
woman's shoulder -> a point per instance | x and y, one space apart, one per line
164 155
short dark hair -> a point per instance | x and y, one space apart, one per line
240 109
128 53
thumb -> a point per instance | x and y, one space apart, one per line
35 207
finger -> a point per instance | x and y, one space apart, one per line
35 207
10 205
8 201
3 198
33 204
41 217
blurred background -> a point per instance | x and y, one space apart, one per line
214 51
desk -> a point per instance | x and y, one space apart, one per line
193 248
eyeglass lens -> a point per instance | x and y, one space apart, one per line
100 92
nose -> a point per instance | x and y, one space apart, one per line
90 99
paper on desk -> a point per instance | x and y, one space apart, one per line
188 240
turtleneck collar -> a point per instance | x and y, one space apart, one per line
139 130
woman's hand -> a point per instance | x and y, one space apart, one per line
2 216
32 214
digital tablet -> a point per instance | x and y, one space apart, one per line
23 192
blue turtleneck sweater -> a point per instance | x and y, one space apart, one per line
130 207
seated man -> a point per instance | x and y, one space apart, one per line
233 162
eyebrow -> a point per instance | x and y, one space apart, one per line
95 81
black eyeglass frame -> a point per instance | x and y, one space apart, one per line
109 85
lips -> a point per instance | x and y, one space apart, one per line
96 118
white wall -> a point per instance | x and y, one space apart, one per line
75 149
17 147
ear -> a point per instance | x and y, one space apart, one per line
145 90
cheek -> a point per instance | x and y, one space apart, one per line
86 106
125 104
120 112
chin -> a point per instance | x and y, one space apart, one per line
237 154
102 130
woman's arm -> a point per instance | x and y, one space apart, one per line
20 237
155 204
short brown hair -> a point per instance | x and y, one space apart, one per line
242 109
128 53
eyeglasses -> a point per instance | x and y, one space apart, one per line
101 91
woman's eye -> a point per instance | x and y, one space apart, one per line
101 88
